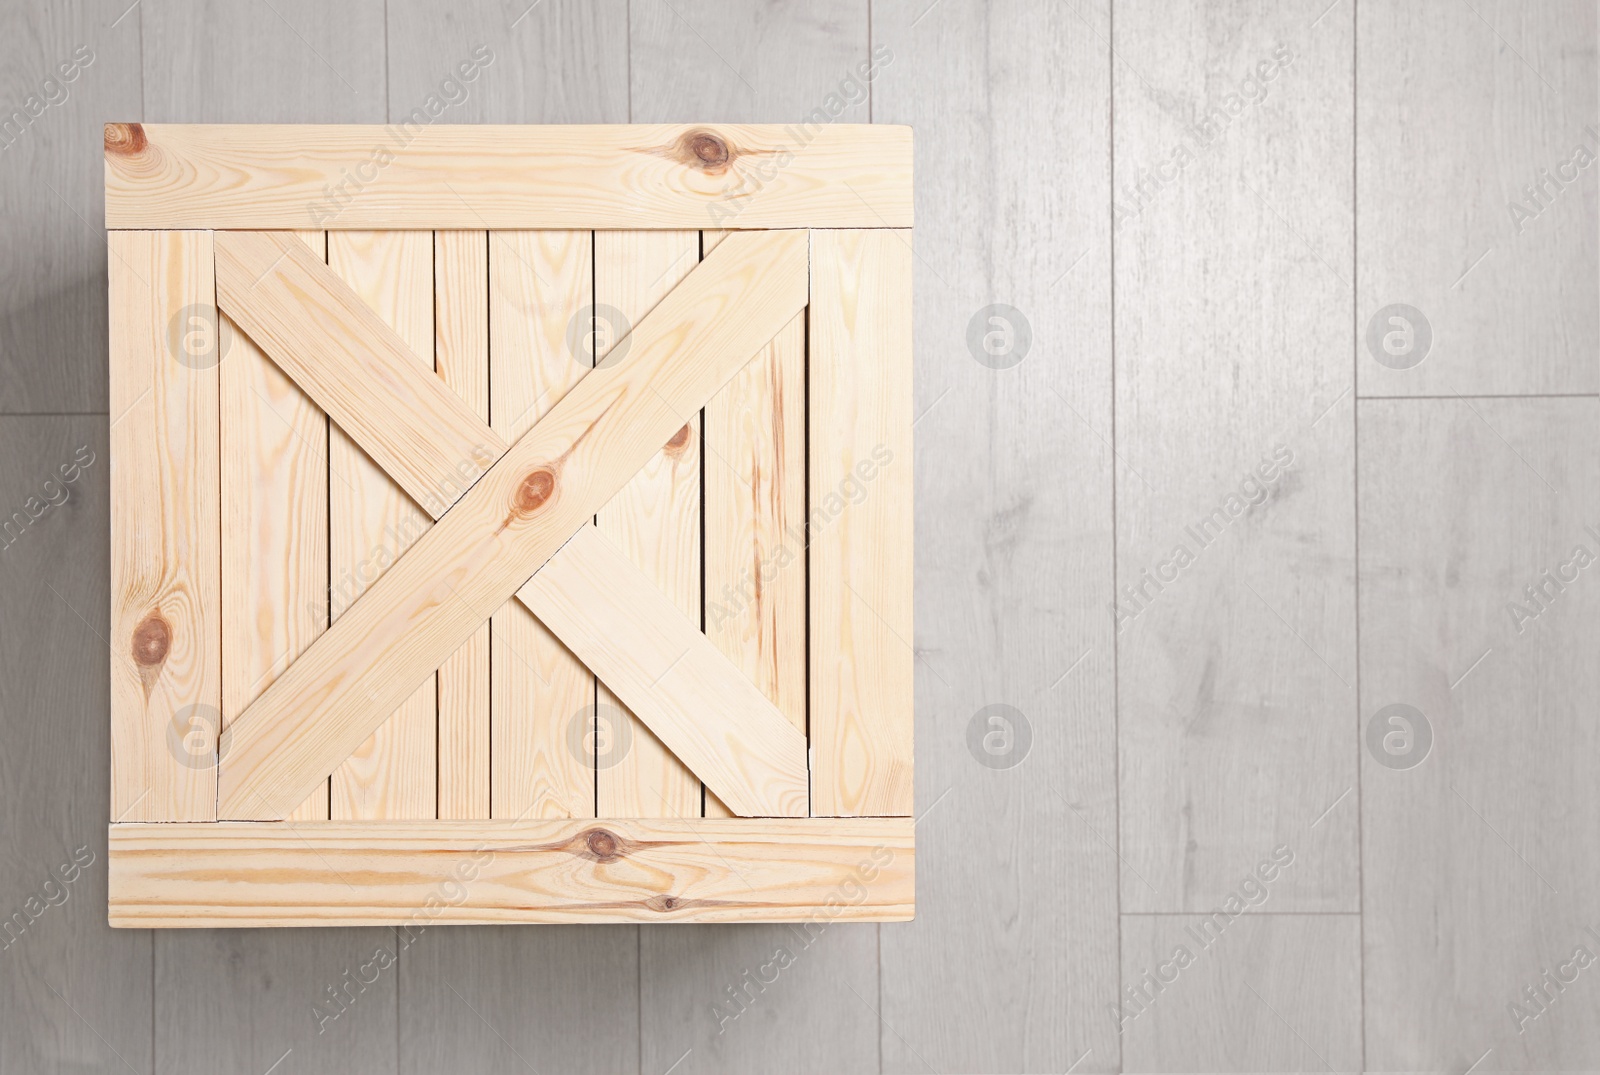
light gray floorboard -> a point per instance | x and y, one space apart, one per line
237 999
1264 992
1018 873
692 62
1461 107
1237 655
492 999
1480 864
53 260
74 993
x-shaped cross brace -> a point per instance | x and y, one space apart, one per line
521 528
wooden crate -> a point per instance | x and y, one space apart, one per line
510 524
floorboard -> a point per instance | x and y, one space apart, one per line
1235 508
1461 109
1011 105
78 61
1479 855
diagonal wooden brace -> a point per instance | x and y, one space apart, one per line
523 511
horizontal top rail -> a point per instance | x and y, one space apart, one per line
812 174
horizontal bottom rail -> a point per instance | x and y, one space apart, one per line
413 874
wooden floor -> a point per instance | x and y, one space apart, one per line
1256 396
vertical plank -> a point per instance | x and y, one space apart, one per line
371 524
274 512
755 64
1204 995
654 519
859 524
755 551
1500 97
1479 612
543 697
61 965
491 999
1013 537
461 356
295 61
166 645
1235 605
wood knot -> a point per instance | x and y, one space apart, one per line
125 139
535 490
706 151
663 903
151 640
679 441
602 845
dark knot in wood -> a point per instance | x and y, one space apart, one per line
706 151
151 640
535 491
602 845
125 139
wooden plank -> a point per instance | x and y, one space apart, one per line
274 482
60 964
1235 607
449 176
539 282
461 358
859 527
300 312
654 518
527 505
1479 610
1233 1002
755 496
1506 266
166 645
550 870
1014 539
723 728
393 772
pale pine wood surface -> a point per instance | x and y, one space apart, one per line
654 519
166 559
957 75
372 524
516 516
274 494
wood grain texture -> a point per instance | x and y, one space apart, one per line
858 526
527 505
755 498
274 495
539 281
69 66
1475 196
566 870
702 708
1235 604
1014 532
1478 612
1240 1004
393 772
416 176
305 317
461 358
60 964
166 629
654 519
